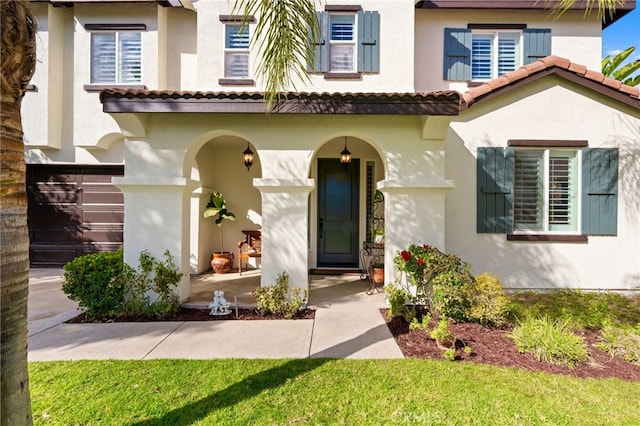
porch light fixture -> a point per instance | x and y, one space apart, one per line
345 155
247 157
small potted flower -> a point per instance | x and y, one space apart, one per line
377 272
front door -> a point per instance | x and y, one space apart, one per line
338 213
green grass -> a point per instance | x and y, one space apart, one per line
319 391
581 309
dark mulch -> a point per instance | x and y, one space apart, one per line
492 346
186 314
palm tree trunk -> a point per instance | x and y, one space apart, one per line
18 64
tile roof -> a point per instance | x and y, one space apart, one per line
552 65
444 102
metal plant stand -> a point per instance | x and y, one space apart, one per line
370 254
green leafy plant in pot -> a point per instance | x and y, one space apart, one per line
222 261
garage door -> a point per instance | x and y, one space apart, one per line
73 210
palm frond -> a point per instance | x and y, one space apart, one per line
283 35
604 8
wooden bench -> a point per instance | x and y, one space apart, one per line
253 243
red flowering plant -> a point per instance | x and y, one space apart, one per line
443 282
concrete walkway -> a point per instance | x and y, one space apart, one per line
348 324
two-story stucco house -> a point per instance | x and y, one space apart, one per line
485 124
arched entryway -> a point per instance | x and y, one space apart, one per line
218 166
341 207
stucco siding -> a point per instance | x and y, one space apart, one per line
549 109
573 36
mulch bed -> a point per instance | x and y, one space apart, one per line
187 314
491 345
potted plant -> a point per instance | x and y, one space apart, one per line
378 237
221 261
377 272
442 335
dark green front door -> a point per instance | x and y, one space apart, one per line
338 213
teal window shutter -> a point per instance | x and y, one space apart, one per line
368 45
537 44
457 54
495 180
599 191
321 59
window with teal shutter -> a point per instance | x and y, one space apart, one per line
348 43
536 44
542 184
457 54
483 54
495 168
600 191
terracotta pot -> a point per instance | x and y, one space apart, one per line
445 343
222 262
377 274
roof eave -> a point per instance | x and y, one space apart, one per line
123 102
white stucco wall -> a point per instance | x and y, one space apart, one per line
206 149
573 36
549 109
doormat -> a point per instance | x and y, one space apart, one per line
334 271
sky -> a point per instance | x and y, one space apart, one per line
622 34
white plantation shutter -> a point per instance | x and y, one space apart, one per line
528 190
562 192
507 53
481 56
116 57
236 58
342 53
130 58
103 58
494 54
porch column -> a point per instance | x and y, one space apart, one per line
414 212
285 224
156 218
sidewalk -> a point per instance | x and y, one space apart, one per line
348 324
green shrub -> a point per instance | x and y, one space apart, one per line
106 287
489 303
443 282
397 298
550 341
621 342
152 275
97 282
451 296
421 325
278 299
441 331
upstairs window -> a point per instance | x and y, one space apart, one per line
342 43
493 54
116 57
348 42
236 51
485 51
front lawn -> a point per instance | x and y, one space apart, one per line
320 391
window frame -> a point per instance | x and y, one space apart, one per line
117 34
232 50
353 43
575 225
495 34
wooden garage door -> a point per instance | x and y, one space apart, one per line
73 210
